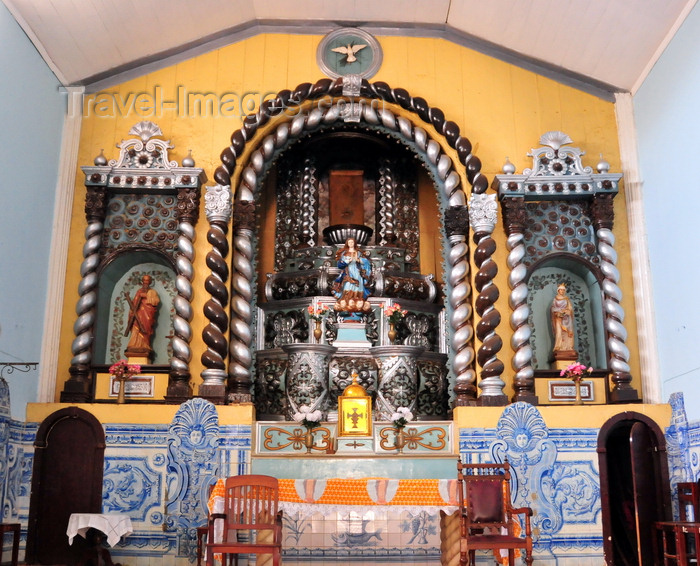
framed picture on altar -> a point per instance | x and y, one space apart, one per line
354 416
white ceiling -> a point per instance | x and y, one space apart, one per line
602 45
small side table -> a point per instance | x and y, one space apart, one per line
113 525
14 529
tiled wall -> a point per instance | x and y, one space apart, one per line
556 471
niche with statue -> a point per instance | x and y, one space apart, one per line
135 290
558 216
348 285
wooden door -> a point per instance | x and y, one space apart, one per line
66 478
644 491
634 486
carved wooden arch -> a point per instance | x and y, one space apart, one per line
287 99
653 501
239 356
66 478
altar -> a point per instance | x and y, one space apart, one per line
343 520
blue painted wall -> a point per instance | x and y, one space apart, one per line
667 114
31 115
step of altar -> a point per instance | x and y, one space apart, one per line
285 450
406 466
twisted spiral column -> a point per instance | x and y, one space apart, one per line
459 291
309 188
77 388
217 206
240 356
523 381
179 389
386 203
482 214
449 539
622 391
182 354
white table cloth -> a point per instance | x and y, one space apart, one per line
113 525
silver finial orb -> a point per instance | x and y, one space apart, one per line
508 167
188 161
101 160
603 166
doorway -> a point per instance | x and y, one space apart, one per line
634 486
67 478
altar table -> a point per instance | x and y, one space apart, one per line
305 496
113 525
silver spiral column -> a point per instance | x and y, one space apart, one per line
81 348
515 218
603 215
457 229
182 354
78 387
614 316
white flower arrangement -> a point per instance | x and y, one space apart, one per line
401 417
310 419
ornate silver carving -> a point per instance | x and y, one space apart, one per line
309 192
352 85
217 204
432 400
269 387
307 376
398 378
420 327
386 203
144 153
483 213
287 221
557 173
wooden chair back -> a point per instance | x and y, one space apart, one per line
252 520
688 501
486 515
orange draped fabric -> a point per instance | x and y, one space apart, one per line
364 492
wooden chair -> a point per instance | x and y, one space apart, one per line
252 522
486 514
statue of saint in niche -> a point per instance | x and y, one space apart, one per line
142 319
350 287
562 317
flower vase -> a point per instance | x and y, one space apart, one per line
392 332
317 331
578 400
121 396
400 440
309 440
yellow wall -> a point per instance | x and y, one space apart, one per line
502 109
